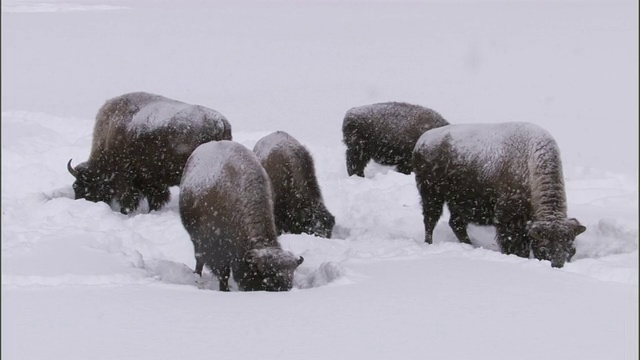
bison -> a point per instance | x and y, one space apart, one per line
507 175
141 142
299 207
226 206
386 133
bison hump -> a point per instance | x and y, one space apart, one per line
220 162
275 140
175 114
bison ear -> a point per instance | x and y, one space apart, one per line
577 227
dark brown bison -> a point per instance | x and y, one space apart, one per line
226 206
386 133
141 142
299 207
507 175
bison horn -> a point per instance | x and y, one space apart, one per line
72 171
300 260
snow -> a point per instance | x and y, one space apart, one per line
470 139
206 163
157 115
270 142
156 111
492 145
81 281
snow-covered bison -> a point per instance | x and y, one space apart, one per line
508 175
141 142
386 133
226 206
299 207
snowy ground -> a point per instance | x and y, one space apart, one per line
81 281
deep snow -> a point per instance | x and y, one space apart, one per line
80 280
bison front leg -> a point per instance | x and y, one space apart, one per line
356 160
513 239
282 217
404 167
510 222
223 273
459 227
157 197
130 200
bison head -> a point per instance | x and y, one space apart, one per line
269 269
321 222
90 184
553 240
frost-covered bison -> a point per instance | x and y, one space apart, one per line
226 206
386 133
508 175
299 207
141 142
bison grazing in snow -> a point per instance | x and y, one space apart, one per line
226 206
141 142
508 175
386 133
299 207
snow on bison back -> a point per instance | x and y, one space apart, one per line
508 175
226 206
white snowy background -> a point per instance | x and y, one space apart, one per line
81 281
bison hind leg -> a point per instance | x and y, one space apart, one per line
158 197
199 265
432 204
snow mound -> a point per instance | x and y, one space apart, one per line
171 272
328 272
606 237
